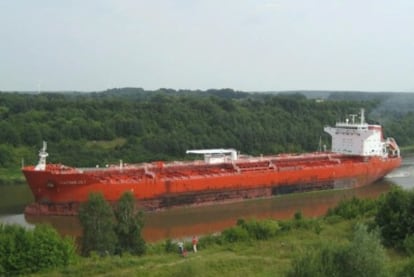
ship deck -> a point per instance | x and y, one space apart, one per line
200 169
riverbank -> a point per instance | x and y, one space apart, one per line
353 232
269 257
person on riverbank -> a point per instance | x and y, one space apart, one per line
180 247
195 242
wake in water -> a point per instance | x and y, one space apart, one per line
402 172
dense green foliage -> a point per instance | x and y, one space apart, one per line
363 256
90 129
25 251
353 208
129 224
395 217
97 219
253 229
108 231
399 128
101 128
407 270
329 246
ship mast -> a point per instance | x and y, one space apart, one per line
41 165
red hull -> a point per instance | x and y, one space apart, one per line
59 189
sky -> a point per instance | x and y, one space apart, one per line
247 45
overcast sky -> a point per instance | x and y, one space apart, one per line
248 45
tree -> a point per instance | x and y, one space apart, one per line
97 219
129 225
6 155
9 134
395 216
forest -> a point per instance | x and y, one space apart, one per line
99 128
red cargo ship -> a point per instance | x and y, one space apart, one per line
359 156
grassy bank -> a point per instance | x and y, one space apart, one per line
272 257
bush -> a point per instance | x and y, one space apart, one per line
300 223
395 217
298 215
353 208
407 270
333 219
27 251
409 245
209 240
363 256
170 247
261 230
235 234
321 261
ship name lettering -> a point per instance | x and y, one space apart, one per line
74 182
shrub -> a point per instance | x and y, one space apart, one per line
353 208
409 245
235 234
27 251
169 246
363 256
321 261
407 270
395 216
209 240
261 230
298 215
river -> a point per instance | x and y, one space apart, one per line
188 221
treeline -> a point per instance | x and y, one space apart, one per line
102 128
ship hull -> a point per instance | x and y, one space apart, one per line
60 190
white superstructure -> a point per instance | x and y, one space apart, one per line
214 156
360 138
